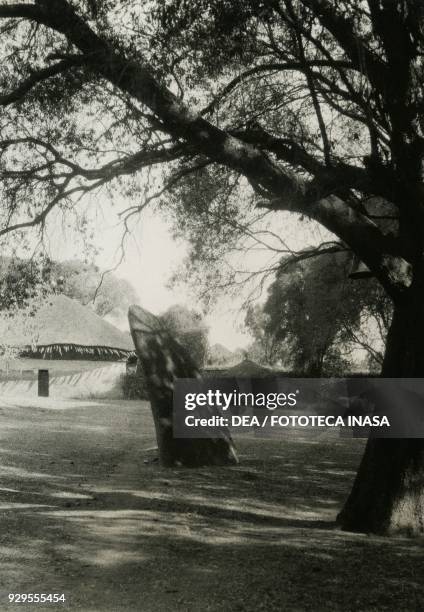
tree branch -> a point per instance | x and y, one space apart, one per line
23 11
286 190
364 60
270 67
326 248
339 177
97 177
311 84
117 167
35 78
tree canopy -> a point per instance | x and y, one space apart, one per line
188 327
21 279
315 317
310 107
86 283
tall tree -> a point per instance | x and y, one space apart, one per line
320 314
311 105
267 347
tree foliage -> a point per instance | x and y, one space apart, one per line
315 316
266 347
21 279
188 327
24 288
86 283
315 106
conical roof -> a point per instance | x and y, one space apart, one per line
248 368
63 322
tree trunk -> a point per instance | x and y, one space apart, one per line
164 360
388 492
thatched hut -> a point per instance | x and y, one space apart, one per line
64 329
84 354
245 369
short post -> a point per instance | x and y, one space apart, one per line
43 383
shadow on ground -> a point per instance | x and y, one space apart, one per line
84 514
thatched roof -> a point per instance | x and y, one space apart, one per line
218 354
245 369
250 369
63 325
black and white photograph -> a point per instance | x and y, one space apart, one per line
212 305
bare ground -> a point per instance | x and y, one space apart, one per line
83 514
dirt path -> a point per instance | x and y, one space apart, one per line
83 514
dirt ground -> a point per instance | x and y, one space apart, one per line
83 514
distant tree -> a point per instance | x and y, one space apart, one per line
315 315
24 286
20 280
188 327
370 330
219 355
87 284
266 348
